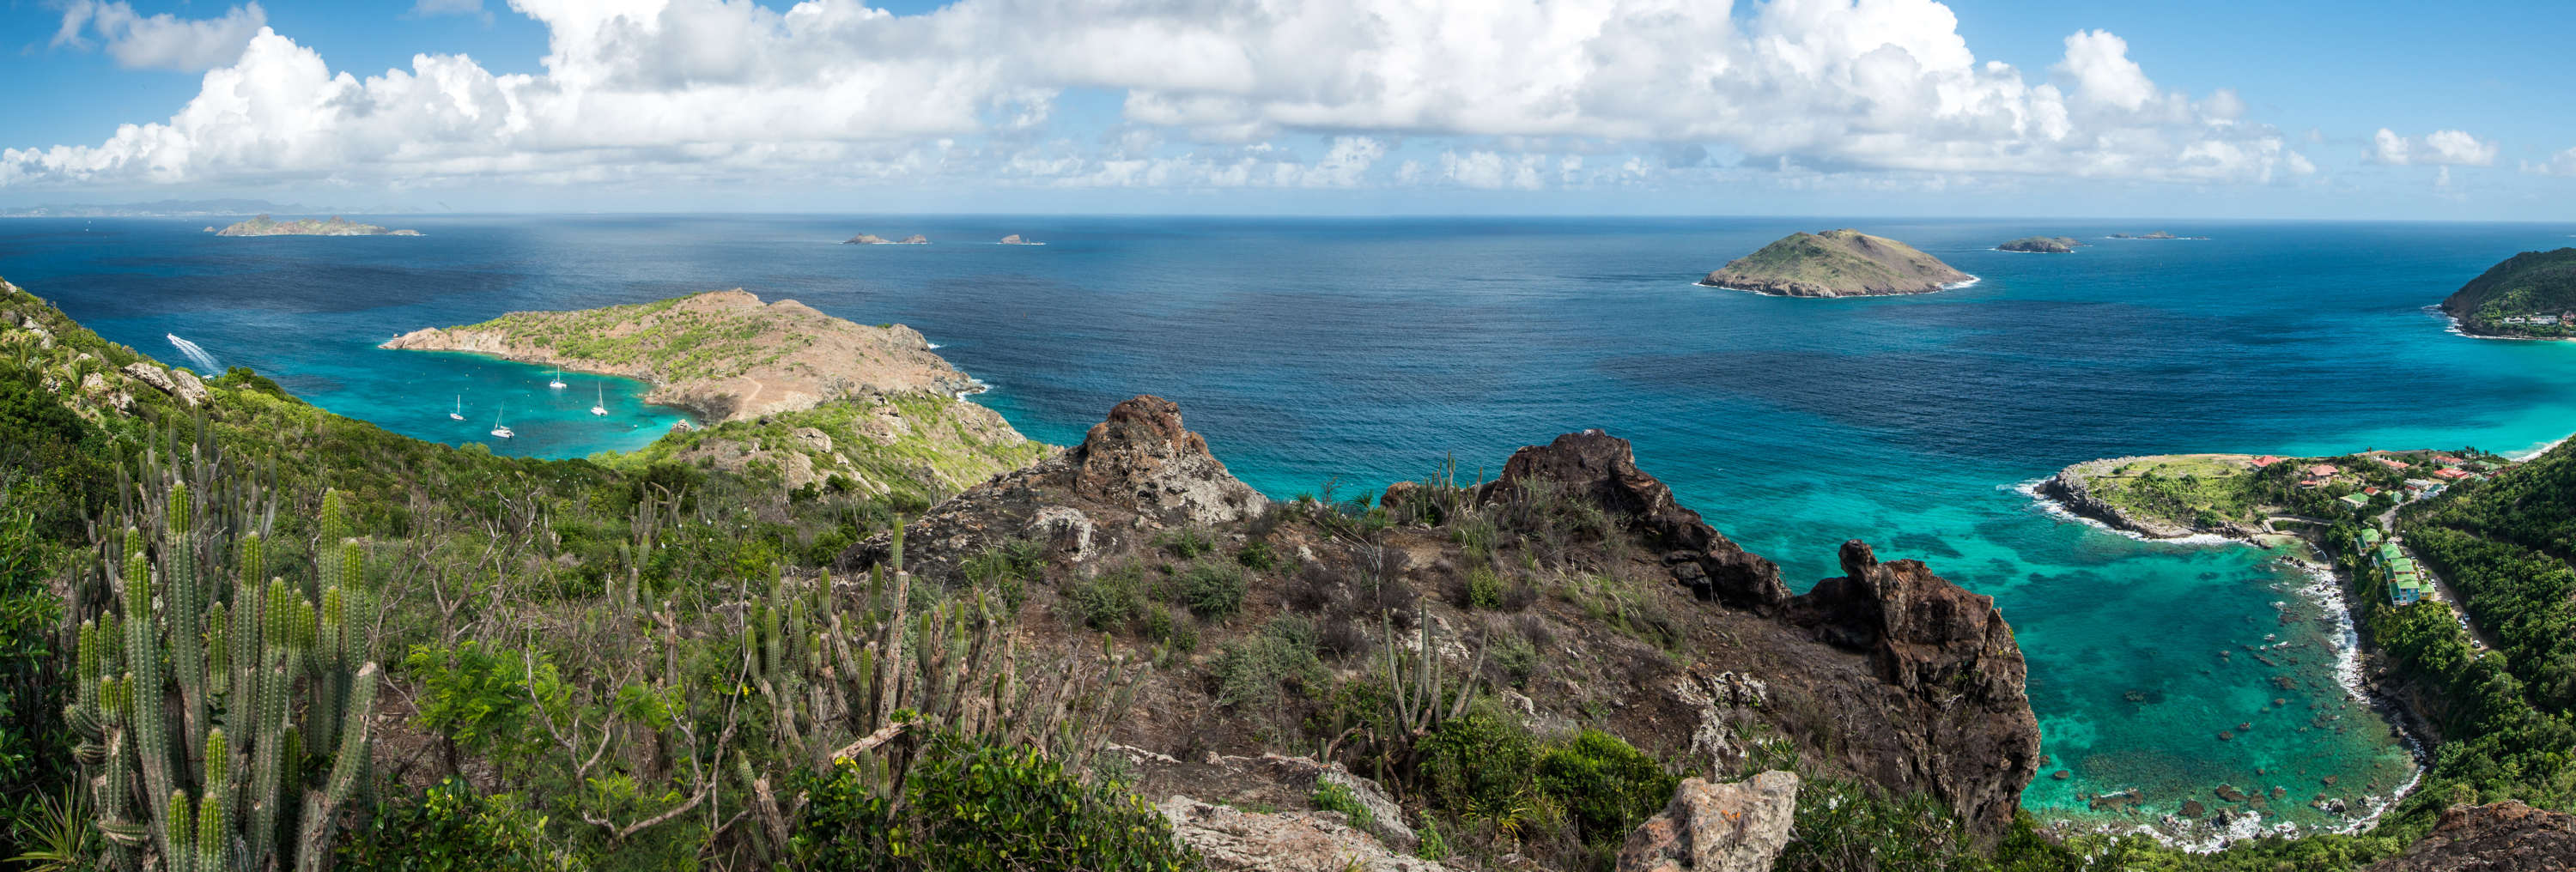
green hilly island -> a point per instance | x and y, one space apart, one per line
2529 295
2042 245
1836 263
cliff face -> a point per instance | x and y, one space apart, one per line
1630 603
2498 837
1836 263
724 355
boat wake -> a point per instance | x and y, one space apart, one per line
196 355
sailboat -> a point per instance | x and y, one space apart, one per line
558 380
601 407
498 429
459 414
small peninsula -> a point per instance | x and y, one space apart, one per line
1836 263
2243 496
2042 245
2531 295
724 355
337 226
873 239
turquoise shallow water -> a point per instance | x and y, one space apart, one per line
1366 351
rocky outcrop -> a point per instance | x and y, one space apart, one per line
723 355
177 383
2497 837
1734 827
1229 838
1138 471
873 239
1014 239
2042 245
1956 674
1601 469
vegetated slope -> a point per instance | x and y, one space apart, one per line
1570 595
2042 245
1835 263
723 354
2530 283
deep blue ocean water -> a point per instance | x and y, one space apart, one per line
1359 352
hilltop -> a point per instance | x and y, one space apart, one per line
2528 295
337 226
722 354
1836 263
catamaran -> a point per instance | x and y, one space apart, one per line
459 414
601 407
558 380
498 429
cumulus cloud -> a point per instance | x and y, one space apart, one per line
833 86
161 41
2441 147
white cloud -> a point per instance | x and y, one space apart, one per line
2441 147
2560 164
638 88
161 41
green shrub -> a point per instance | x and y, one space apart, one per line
1476 764
1174 631
1484 589
970 807
1252 672
1257 556
1431 846
451 828
1338 797
1106 601
34 747
1213 591
1606 785
482 700
1187 543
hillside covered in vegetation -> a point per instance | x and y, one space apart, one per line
1835 263
2514 297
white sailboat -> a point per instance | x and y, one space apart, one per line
459 414
558 380
498 429
600 407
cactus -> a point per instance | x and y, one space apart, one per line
182 652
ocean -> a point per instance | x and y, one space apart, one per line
1341 355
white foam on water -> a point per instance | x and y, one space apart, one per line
2059 511
196 355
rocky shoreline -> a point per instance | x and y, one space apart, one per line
2069 491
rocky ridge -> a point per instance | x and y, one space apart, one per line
724 355
1890 673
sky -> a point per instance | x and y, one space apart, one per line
2180 108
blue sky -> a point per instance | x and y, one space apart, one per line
1326 106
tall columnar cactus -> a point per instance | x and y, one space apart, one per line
205 689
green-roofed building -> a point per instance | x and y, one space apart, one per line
2369 537
2401 566
2356 501
2388 552
2405 591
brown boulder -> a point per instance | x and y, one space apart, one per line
1601 469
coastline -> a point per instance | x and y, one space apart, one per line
2457 328
2328 591
1951 286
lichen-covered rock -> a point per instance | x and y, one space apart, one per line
1230 838
176 383
1732 827
1141 453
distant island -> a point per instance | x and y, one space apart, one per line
724 355
873 239
1014 239
337 226
2042 245
1836 263
2531 295
2155 235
